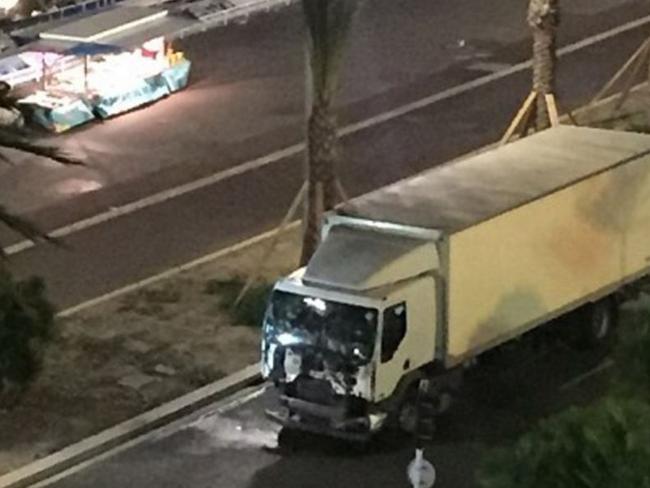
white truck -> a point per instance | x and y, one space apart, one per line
417 279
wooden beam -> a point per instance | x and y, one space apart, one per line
516 122
298 199
620 72
641 59
552 109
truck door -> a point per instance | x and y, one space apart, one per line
408 334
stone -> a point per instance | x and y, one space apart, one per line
137 346
164 370
136 381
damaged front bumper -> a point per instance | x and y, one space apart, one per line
330 420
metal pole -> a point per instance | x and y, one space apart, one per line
421 472
86 74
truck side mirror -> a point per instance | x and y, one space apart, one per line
394 331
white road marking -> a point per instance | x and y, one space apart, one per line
172 272
489 66
257 163
572 383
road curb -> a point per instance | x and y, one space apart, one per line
130 429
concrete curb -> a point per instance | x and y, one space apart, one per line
110 438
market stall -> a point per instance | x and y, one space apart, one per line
103 66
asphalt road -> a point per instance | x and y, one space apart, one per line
235 447
246 101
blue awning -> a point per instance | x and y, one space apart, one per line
92 49
67 48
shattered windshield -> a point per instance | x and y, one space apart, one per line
345 329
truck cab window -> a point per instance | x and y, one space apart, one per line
394 331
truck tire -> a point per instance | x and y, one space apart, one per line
596 323
289 439
417 414
407 415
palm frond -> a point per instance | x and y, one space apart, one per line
25 228
15 140
6 99
21 141
328 24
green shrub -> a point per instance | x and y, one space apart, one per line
251 308
26 322
632 357
606 445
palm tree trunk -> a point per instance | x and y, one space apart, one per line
322 154
543 19
328 24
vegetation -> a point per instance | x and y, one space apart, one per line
601 446
16 138
26 317
252 306
607 444
26 322
632 358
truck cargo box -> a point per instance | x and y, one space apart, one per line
527 231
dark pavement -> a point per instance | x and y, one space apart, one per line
237 448
246 100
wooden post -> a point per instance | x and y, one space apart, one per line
278 231
343 195
641 59
620 73
522 115
552 109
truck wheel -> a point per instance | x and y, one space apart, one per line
412 417
597 323
407 417
288 439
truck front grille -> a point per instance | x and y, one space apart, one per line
314 390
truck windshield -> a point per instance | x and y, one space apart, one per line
340 328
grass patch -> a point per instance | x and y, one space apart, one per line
151 302
166 294
632 356
251 308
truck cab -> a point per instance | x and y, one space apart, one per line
345 336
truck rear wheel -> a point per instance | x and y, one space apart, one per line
418 412
289 439
407 416
596 323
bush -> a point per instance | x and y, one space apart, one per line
26 322
603 446
250 310
632 357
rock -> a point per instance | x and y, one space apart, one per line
164 370
137 346
136 381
